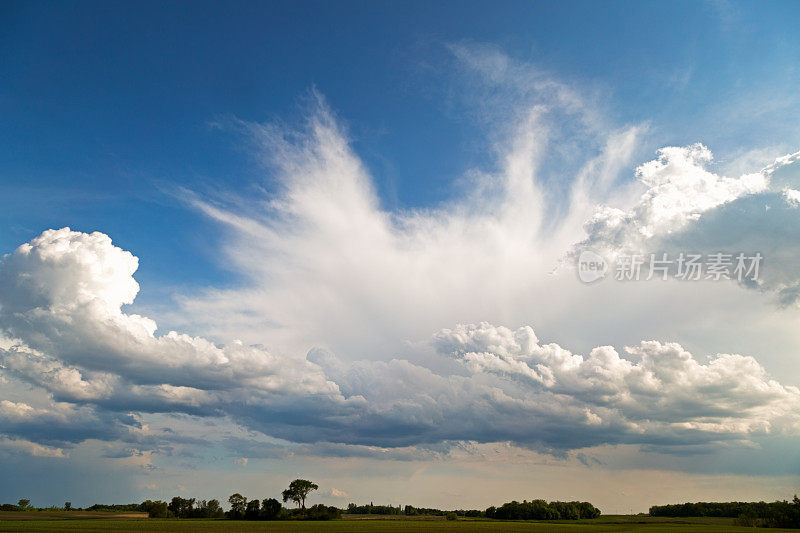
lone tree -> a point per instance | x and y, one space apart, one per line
297 492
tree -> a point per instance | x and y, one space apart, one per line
25 504
209 509
270 509
252 510
155 509
67 506
238 505
181 507
298 491
322 512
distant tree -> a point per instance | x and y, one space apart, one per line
352 508
209 509
410 510
780 514
24 505
451 516
155 509
322 512
67 506
252 510
587 510
238 505
270 509
182 507
214 508
541 510
298 491
567 510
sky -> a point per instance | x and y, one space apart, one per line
245 242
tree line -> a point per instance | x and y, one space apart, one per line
408 510
271 509
243 509
541 510
527 510
783 514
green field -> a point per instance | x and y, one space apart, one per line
83 521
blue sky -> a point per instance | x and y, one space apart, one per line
102 104
350 205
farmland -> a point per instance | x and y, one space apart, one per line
51 521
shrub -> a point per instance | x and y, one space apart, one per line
322 512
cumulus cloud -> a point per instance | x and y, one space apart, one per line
688 208
679 190
78 321
666 389
516 389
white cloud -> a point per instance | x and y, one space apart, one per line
325 267
566 400
31 448
792 196
80 322
666 389
679 191
336 493
688 208
322 255
12 411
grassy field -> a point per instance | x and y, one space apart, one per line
77 521
68 515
